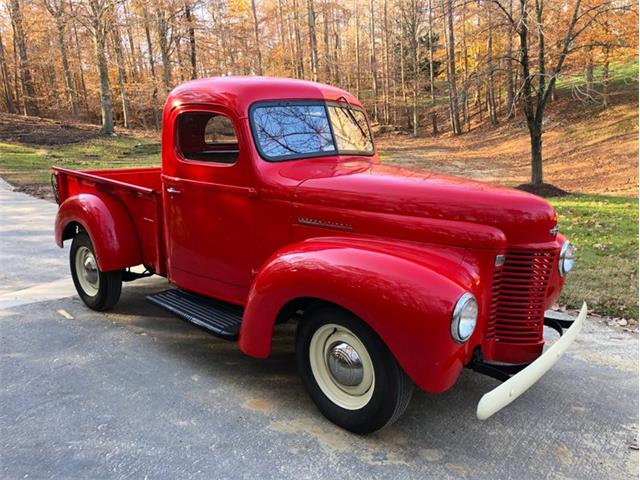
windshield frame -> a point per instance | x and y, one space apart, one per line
311 102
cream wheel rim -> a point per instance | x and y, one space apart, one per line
87 271
341 366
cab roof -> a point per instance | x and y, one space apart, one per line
239 93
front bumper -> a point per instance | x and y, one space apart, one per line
516 385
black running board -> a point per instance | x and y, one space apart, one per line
218 318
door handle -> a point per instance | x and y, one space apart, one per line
172 190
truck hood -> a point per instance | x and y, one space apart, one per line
362 186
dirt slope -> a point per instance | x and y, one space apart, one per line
587 153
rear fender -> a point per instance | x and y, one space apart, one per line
106 220
406 298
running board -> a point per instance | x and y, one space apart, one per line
218 318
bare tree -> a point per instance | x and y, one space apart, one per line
152 66
447 10
122 73
57 9
6 81
536 95
192 40
510 107
356 19
256 33
313 41
97 16
30 106
374 63
491 97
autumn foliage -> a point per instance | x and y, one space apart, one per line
113 61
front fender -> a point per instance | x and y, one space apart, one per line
405 297
109 226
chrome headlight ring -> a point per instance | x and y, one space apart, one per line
566 259
464 318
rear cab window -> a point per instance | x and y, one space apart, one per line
207 137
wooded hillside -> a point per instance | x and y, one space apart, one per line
419 65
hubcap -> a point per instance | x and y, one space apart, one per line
341 366
90 269
87 271
345 364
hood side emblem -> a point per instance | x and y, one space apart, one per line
314 222
554 231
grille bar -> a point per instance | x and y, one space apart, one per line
518 293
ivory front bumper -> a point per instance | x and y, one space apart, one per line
501 396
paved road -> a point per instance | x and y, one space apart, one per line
136 393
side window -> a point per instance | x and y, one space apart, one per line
207 137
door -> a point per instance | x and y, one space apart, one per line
209 202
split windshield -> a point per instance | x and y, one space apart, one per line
290 130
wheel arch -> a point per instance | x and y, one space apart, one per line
407 304
108 224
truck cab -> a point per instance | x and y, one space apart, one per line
271 205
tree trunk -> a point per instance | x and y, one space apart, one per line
59 14
374 63
416 84
430 43
192 41
256 33
283 38
162 28
451 69
6 81
16 77
313 41
29 99
466 116
105 89
66 71
535 132
325 42
356 47
152 66
510 107
491 98
83 84
298 37
337 46
133 64
122 76
387 72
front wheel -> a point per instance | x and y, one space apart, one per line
349 372
98 290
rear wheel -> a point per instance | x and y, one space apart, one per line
349 372
98 290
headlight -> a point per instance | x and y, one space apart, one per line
465 316
567 256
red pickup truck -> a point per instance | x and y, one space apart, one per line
272 205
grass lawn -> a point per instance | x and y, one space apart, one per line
605 232
31 165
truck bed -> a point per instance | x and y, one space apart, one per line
138 189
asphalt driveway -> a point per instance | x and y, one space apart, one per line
136 393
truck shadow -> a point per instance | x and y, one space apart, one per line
272 388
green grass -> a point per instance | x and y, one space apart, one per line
28 165
620 75
605 232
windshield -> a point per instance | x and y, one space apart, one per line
286 131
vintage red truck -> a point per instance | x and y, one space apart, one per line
271 205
